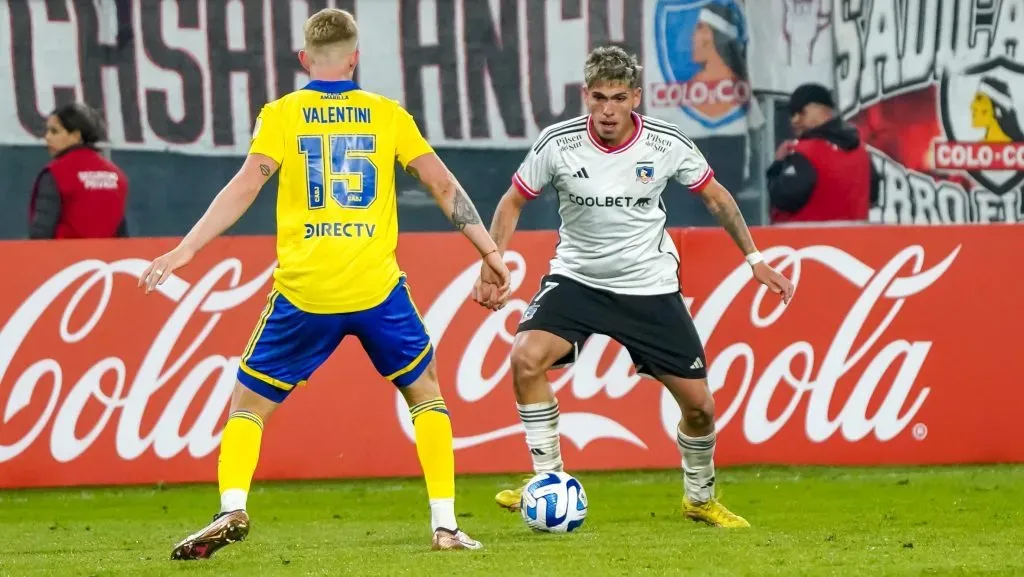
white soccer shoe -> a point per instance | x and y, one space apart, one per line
448 540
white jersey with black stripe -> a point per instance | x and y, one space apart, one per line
613 235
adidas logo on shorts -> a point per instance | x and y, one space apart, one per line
697 364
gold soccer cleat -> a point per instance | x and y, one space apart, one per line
510 498
448 540
225 529
713 513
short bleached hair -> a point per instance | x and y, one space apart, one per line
331 29
613 65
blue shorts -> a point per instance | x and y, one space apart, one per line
288 344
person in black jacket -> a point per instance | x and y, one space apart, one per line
825 173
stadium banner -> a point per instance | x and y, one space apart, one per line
696 67
790 44
194 73
937 89
890 327
190 76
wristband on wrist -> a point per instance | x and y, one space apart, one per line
754 258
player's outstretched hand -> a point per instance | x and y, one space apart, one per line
161 268
775 282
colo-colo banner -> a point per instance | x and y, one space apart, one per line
937 89
790 44
869 364
696 66
473 73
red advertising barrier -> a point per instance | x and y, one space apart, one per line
898 348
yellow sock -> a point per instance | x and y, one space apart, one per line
434 447
239 453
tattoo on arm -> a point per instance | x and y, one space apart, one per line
264 170
731 219
463 211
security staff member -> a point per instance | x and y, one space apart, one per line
80 193
826 173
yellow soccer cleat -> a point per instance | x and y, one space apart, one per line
713 513
510 498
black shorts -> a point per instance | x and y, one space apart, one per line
656 330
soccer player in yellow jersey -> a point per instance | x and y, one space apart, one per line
337 274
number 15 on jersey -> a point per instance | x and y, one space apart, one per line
352 176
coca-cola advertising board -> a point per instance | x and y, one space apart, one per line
898 348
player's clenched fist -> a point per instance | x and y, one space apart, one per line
161 268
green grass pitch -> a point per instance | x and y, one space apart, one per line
807 521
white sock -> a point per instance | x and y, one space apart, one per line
442 514
698 466
233 500
541 422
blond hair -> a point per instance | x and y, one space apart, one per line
614 65
329 30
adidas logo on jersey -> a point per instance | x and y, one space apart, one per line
581 173
697 364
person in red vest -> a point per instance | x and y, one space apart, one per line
825 174
80 193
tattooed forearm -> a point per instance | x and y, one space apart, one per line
448 194
731 219
463 211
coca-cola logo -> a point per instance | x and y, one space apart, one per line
817 381
157 369
472 385
51 400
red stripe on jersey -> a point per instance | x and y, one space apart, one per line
638 125
702 181
523 188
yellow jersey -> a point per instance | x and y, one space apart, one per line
337 211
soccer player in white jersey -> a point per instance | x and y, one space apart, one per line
615 270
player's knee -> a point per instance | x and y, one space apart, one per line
245 399
425 388
528 365
701 415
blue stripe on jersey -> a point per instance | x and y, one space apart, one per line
331 86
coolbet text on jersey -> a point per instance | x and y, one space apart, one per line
337 220
337 231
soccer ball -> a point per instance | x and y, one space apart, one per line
554 503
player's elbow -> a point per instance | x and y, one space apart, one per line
512 200
242 189
716 197
441 184
245 188
716 204
433 175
